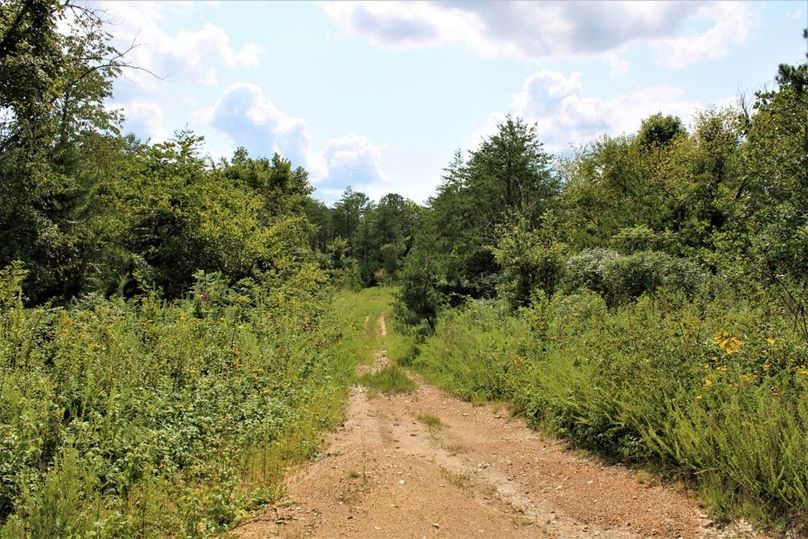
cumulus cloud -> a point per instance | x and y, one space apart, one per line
352 160
189 55
732 26
250 119
145 119
551 29
565 115
618 67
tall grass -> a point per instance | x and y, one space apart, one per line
148 418
716 391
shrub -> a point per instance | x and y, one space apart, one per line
622 278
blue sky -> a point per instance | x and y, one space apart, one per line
380 95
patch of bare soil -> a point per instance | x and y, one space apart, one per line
425 464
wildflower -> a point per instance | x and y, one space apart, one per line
708 382
728 343
771 341
803 372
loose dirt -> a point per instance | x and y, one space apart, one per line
425 464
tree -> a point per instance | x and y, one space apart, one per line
660 130
771 209
52 91
508 175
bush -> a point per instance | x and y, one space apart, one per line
622 278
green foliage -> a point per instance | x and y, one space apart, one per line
53 88
659 130
155 418
716 390
419 299
773 193
530 259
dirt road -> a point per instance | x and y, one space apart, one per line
425 464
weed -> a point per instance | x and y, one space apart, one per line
457 479
431 421
391 379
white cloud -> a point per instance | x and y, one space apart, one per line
145 119
187 55
352 160
551 29
797 14
732 26
618 67
250 119
565 115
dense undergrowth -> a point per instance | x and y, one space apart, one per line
155 418
713 390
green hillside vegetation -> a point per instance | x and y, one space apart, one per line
176 331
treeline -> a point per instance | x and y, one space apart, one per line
626 214
87 210
645 298
365 242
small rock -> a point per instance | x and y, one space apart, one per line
401 482
435 525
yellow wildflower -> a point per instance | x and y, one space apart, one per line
707 382
771 341
803 372
728 343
